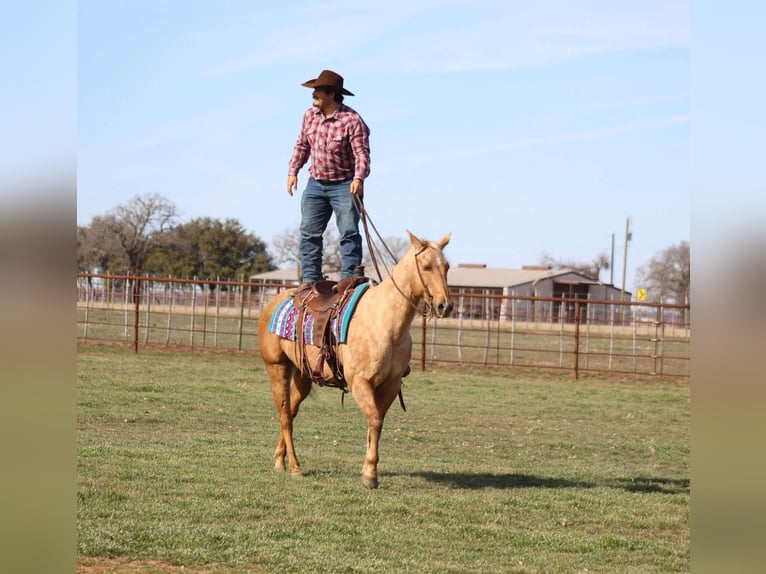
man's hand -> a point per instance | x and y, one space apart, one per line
292 184
357 188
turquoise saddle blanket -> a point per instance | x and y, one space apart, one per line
285 318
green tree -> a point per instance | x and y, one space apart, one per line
210 249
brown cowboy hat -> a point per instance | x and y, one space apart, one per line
328 79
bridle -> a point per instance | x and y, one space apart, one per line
428 299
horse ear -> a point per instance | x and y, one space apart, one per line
442 243
417 242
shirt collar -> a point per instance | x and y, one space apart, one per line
341 108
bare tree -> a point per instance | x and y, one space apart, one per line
331 261
124 237
139 226
667 275
287 249
590 269
98 249
397 245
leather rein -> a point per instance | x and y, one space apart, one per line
428 309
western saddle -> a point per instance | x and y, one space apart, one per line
324 300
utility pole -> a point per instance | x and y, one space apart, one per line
611 264
628 237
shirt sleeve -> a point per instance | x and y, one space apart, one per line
359 137
302 149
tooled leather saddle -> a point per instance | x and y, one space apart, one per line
324 300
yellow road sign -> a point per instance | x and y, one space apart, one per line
641 294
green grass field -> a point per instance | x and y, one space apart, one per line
485 472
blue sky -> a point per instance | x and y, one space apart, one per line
523 128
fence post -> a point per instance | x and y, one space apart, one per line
433 340
577 341
241 312
460 327
423 343
513 325
193 312
217 308
562 315
656 341
486 314
147 321
589 318
88 301
662 341
205 291
611 336
497 346
170 310
136 296
126 307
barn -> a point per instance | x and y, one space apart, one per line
495 284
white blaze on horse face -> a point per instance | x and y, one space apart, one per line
438 266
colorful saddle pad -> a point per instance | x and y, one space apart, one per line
285 318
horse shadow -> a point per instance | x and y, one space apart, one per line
475 481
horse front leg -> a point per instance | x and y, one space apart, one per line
287 399
374 404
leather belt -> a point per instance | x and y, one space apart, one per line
330 182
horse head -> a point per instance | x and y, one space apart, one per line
432 267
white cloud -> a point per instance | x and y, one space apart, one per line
494 35
412 161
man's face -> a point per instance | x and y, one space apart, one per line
323 99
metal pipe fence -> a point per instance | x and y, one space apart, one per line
563 334
486 331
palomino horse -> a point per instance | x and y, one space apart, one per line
376 354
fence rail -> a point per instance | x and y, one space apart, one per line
562 334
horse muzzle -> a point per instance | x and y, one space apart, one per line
442 309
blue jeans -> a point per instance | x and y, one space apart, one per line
318 204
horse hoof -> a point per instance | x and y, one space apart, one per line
296 474
370 483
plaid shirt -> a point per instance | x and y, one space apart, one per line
339 146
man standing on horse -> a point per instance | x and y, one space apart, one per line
337 139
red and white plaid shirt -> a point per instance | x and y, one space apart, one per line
339 146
